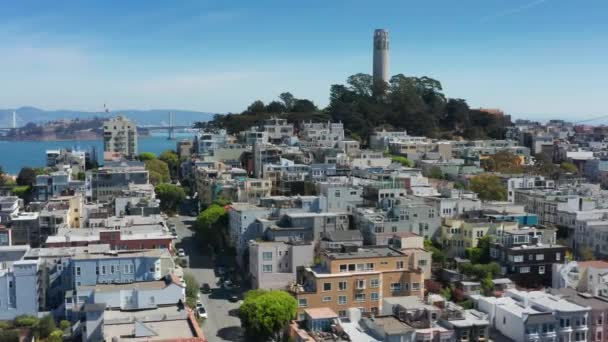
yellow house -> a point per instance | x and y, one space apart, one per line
459 234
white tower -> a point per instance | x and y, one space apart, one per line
381 62
14 119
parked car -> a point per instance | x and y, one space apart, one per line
228 285
234 298
205 288
200 310
181 252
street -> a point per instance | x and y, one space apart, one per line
222 323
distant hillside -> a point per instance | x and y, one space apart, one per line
142 117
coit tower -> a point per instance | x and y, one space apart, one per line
381 55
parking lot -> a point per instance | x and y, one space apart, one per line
222 323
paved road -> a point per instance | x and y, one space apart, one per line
222 324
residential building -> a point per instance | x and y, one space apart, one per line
583 276
321 134
596 321
25 229
413 245
168 324
120 136
279 131
356 278
459 234
527 255
105 183
273 264
241 224
206 142
536 316
527 182
9 206
18 287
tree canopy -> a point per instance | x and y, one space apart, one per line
170 196
212 224
489 187
158 170
146 156
172 160
264 314
405 102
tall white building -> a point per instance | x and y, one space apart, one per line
120 136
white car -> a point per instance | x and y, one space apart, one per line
200 310
181 252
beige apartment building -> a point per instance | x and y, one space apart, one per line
358 277
120 136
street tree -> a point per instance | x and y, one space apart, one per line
172 160
158 170
212 224
488 187
146 156
170 196
265 314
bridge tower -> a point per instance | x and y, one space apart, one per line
14 120
171 128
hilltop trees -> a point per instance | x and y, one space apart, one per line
416 104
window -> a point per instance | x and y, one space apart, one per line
540 257
525 269
342 313
518 258
96 269
302 302
351 267
343 268
395 286
267 256
558 256
125 269
151 300
326 286
369 266
360 297
421 263
112 269
374 296
360 267
415 286
399 265
103 270
267 268
360 284
374 283
342 286
341 300
541 269
77 270
327 299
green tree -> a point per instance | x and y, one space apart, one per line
488 187
26 176
568 167
265 314
256 107
26 321
81 176
9 335
481 253
437 254
435 172
402 160
503 161
172 160
192 289
170 196
64 324
487 286
303 106
158 170
2 176
212 223
144 156
276 107
288 100
22 192
46 326
55 336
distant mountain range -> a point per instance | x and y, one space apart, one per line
142 117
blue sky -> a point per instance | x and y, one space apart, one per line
535 58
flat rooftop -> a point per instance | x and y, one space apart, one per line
391 325
367 252
163 323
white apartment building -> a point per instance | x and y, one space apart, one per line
120 136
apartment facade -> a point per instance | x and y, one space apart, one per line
359 278
120 136
273 264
